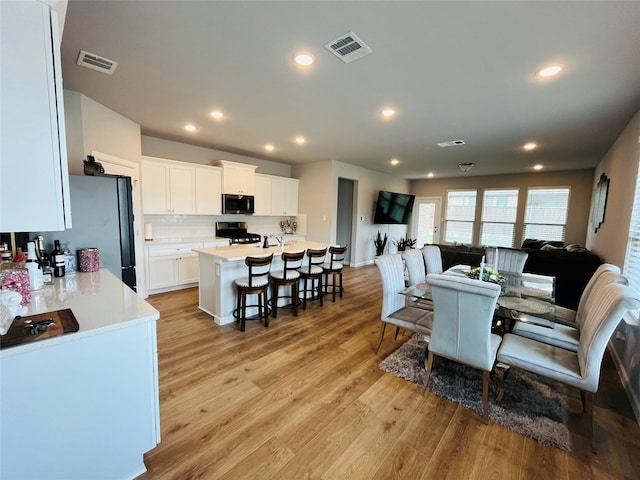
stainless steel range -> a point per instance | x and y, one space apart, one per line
236 232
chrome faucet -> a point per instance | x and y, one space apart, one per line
280 240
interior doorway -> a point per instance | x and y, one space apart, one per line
344 215
425 220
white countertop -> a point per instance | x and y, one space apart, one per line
99 301
232 253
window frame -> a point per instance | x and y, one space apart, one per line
498 222
448 220
525 223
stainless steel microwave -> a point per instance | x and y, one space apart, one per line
237 203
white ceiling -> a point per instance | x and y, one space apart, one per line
451 70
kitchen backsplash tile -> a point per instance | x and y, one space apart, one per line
183 226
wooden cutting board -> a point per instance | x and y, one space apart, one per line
18 333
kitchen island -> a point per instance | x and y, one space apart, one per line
220 266
83 404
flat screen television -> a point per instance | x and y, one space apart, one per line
393 208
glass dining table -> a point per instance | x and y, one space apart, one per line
524 297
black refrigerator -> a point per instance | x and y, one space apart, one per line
102 217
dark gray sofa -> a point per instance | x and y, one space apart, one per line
572 269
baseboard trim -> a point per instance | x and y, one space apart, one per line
362 264
624 378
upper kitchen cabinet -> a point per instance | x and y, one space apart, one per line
237 178
208 191
34 180
168 187
276 196
263 195
284 196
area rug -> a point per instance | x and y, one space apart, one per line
531 406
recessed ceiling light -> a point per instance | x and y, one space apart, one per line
268 147
304 59
394 161
190 127
217 114
530 146
549 71
300 140
538 167
388 112
430 174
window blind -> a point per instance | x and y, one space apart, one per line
545 216
499 211
461 212
632 257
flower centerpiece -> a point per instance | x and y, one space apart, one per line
488 275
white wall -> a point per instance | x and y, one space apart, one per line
580 182
158 147
314 198
319 200
620 164
91 126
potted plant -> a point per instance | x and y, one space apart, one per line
380 243
404 243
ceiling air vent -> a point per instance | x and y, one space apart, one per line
452 143
348 47
95 62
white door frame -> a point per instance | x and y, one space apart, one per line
436 222
109 160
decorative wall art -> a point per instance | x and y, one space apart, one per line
599 202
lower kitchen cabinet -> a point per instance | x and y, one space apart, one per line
172 265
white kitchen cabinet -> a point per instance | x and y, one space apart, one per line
188 271
263 195
182 180
168 187
276 196
99 413
208 191
284 196
237 178
34 179
172 265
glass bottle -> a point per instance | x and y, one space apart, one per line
58 258
44 259
41 252
33 266
20 256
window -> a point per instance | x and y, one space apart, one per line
546 213
461 212
499 210
632 258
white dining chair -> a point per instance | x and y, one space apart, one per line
509 259
394 311
566 336
417 274
463 313
414 262
568 316
432 258
579 369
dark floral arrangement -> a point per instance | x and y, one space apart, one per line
488 275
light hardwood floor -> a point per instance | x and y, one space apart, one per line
305 398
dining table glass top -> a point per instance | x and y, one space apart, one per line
526 297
